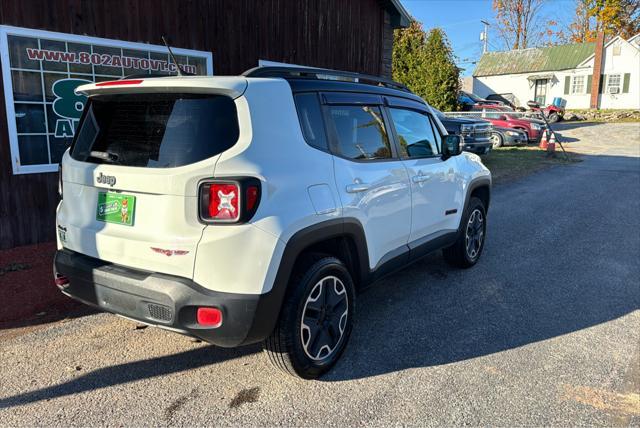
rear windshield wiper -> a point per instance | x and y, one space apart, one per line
106 156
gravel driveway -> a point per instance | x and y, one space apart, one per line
544 330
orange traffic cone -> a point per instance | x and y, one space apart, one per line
543 141
551 146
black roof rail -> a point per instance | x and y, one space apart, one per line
322 74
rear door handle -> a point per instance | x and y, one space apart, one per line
358 187
420 178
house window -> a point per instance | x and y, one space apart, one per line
577 85
613 84
41 71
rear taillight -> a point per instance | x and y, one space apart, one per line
229 201
61 280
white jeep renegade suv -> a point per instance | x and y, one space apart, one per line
253 208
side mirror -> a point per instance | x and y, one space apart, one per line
451 146
533 104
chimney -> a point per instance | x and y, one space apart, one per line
597 71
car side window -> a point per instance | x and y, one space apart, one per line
360 131
310 116
418 136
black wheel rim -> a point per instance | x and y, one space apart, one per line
324 318
474 235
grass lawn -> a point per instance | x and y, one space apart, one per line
510 163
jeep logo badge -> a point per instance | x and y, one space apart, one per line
106 179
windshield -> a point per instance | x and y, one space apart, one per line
155 130
473 97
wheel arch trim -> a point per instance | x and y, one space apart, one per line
270 304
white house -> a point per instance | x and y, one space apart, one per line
586 75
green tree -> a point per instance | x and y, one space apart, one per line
425 64
442 74
408 61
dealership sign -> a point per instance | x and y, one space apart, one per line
41 71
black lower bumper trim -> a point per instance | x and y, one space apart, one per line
165 300
477 148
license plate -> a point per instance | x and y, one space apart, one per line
116 208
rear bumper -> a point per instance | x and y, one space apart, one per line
166 301
535 136
514 140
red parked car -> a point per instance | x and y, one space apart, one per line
532 127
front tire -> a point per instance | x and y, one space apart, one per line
496 140
467 249
316 318
553 118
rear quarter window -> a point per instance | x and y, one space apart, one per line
311 123
155 130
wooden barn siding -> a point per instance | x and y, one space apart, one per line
339 34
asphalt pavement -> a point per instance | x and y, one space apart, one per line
545 330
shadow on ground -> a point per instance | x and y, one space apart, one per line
131 372
559 126
538 280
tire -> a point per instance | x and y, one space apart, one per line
496 140
474 222
312 332
553 118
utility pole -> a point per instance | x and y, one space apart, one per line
484 36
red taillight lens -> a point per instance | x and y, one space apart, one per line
224 201
61 280
252 197
209 317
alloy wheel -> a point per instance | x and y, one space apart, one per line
474 234
324 318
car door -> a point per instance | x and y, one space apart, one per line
435 187
372 181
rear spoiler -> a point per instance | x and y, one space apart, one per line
232 87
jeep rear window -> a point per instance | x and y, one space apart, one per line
155 130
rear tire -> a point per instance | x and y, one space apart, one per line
553 118
467 249
316 318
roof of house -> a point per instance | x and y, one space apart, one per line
400 18
552 58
